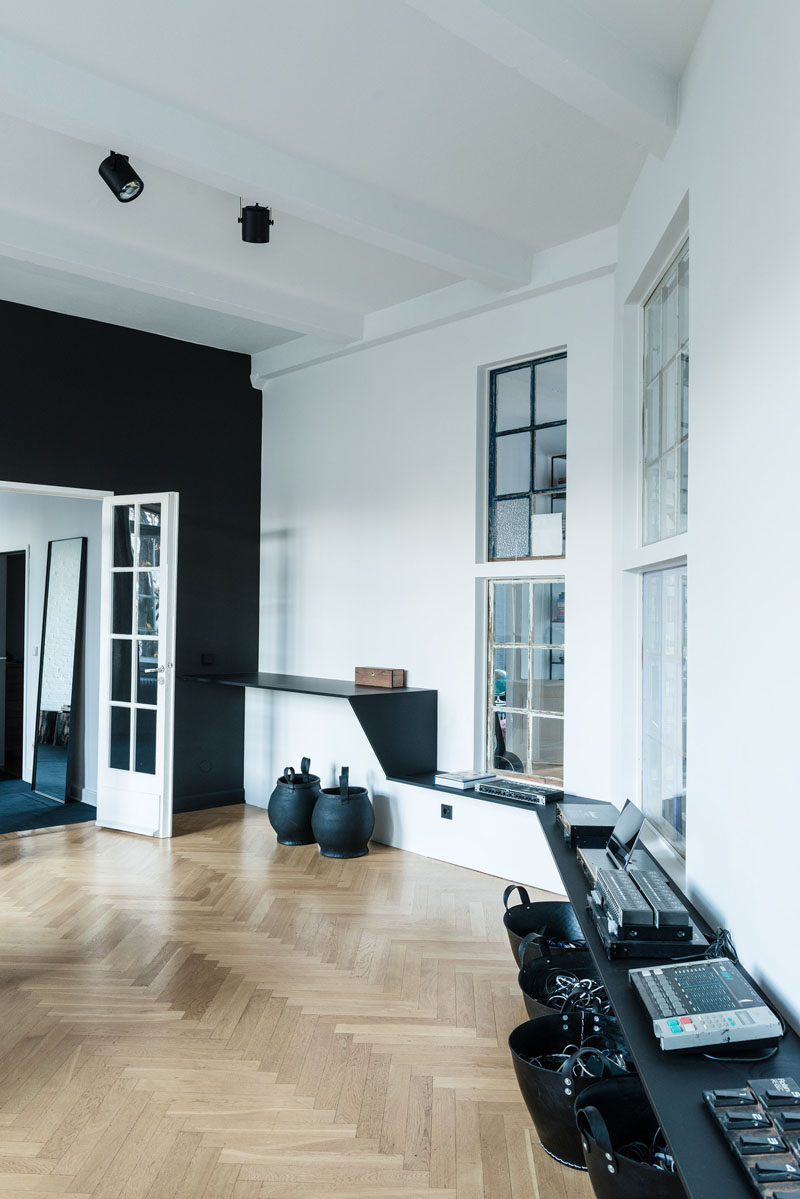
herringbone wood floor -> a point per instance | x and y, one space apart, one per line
218 1016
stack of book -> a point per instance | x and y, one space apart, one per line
461 780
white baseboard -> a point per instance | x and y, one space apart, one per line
84 795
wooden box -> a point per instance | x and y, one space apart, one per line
379 676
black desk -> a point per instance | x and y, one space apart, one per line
674 1082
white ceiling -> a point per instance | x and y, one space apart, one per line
407 147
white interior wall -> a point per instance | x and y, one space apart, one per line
369 500
32 521
369 532
735 155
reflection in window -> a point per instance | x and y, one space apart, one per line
528 459
665 416
664 702
525 734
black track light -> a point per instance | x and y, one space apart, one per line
255 222
121 177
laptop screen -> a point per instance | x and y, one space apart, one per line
625 834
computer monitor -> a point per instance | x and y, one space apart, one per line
625 834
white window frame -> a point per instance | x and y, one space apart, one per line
637 557
660 830
672 262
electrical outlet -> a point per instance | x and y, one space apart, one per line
447 811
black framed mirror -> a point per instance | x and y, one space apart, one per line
60 656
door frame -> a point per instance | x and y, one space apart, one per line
112 812
55 491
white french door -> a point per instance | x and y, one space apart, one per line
137 655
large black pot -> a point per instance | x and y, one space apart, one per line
537 970
611 1115
343 820
554 921
549 1094
292 803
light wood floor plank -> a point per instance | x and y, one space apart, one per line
221 1017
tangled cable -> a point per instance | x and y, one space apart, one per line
655 1155
722 946
587 1060
566 991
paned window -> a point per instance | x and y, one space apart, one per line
665 417
525 734
528 459
664 702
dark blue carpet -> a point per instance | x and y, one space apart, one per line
21 809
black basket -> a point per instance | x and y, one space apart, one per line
549 1094
554 921
537 970
613 1115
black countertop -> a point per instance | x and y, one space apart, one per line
674 1081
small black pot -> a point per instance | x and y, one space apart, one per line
291 805
343 820
554 921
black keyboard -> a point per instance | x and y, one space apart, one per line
667 907
623 899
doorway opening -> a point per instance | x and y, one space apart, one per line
32 517
13 569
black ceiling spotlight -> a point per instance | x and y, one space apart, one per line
255 222
121 177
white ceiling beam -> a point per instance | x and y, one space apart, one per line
565 50
38 88
48 243
562 266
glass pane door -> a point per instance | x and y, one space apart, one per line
137 676
134 640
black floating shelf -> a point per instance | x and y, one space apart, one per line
400 722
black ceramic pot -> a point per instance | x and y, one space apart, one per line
292 804
343 820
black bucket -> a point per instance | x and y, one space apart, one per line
538 973
550 1094
614 1115
553 920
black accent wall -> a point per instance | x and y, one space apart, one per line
83 404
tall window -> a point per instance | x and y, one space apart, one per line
664 702
528 459
525 734
665 425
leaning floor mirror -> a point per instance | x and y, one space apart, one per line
59 669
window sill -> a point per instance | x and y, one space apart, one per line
521 568
660 553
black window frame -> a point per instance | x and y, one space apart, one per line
533 428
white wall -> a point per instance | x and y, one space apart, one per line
31 521
369 533
736 155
